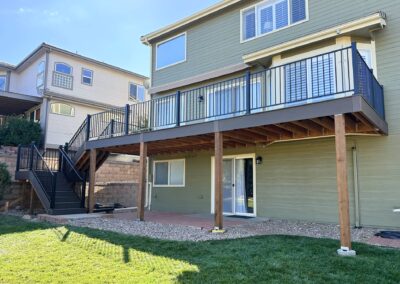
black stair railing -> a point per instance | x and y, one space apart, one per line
29 158
67 167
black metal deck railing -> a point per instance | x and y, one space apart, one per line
326 76
46 165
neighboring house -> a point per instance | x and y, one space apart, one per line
59 89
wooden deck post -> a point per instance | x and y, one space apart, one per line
141 193
341 175
218 208
92 179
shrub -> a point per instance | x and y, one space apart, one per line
19 131
5 179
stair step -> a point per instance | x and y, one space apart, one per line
68 205
68 211
67 199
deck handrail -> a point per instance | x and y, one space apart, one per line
329 75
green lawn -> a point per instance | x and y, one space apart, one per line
41 253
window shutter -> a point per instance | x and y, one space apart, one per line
298 10
281 14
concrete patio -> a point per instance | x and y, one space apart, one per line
196 227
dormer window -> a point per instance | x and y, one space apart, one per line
63 68
271 15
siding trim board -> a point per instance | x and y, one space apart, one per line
200 78
373 21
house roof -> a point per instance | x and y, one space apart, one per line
44 47
146 39
4 65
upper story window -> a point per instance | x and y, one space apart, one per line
171 52
62 109
136 92
40 76
271 15
87 77
63 68
3 81
62 76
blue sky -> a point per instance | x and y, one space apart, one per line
106 30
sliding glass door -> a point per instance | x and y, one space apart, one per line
238 186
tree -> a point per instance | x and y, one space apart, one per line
19 131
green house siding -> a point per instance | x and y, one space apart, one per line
215 43
297 180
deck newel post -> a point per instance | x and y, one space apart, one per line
140 197
92 179
32 149
354 55
127 113
88 118
248 92
218 172
342 186
112 127
178 108
60 158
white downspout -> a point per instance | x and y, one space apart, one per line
356 188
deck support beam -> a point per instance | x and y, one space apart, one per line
92 179
219 147
141 193
342 185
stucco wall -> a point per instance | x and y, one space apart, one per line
109 86
25 81
61 128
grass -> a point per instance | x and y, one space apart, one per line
42 253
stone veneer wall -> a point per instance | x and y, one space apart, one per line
19 191
116 181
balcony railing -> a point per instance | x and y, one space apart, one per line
62 80
327 76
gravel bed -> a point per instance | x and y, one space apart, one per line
252 228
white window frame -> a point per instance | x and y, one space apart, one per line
129 92
235 157
42 75
258 8
83 76
5 82
169 173
164 41
55 68
55 103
